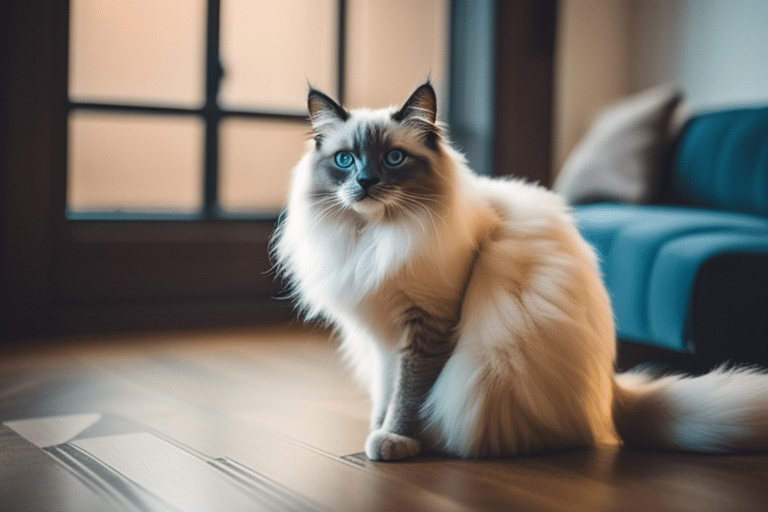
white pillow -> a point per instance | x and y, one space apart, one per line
620 156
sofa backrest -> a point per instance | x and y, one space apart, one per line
721 161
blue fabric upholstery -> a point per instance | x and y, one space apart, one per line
665 265
650 255
722 161
673 277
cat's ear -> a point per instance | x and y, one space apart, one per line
420 112
323 112
323 109
420 107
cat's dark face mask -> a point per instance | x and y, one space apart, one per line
380 164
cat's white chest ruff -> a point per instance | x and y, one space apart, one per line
341 269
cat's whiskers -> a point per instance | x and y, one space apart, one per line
327 208
414 205
413 216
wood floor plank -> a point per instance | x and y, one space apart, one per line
327 480
31 480
268 419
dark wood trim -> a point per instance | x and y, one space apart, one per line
61 275
341 51
32 145
211 111
525 48
185 111
137 274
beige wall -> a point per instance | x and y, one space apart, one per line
715 51
592 66
396 45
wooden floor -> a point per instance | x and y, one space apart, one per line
266 419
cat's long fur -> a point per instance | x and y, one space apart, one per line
471 309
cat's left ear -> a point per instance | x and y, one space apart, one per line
323 109
420 107
323 112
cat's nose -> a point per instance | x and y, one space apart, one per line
367 181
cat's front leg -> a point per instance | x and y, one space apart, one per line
420 363
382 383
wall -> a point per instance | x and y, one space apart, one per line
591 67
715 50
394 46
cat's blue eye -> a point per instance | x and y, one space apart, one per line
394 158
344 159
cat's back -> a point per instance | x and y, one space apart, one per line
535 334
531 254
521 210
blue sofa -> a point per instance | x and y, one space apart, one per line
688 271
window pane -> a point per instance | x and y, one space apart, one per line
271 49
256 159
134 163
392 46
138 51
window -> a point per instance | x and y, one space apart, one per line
193 109
189 244
77 255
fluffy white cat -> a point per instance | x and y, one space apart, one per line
470 308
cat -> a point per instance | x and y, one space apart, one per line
470 308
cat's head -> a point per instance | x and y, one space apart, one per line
377 165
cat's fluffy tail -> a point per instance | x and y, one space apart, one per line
723 411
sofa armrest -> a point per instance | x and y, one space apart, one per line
729 309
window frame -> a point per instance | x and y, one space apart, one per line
198 269
211 113
84 273
188 269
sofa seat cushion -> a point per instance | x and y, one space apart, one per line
650 257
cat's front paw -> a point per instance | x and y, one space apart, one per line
383 445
